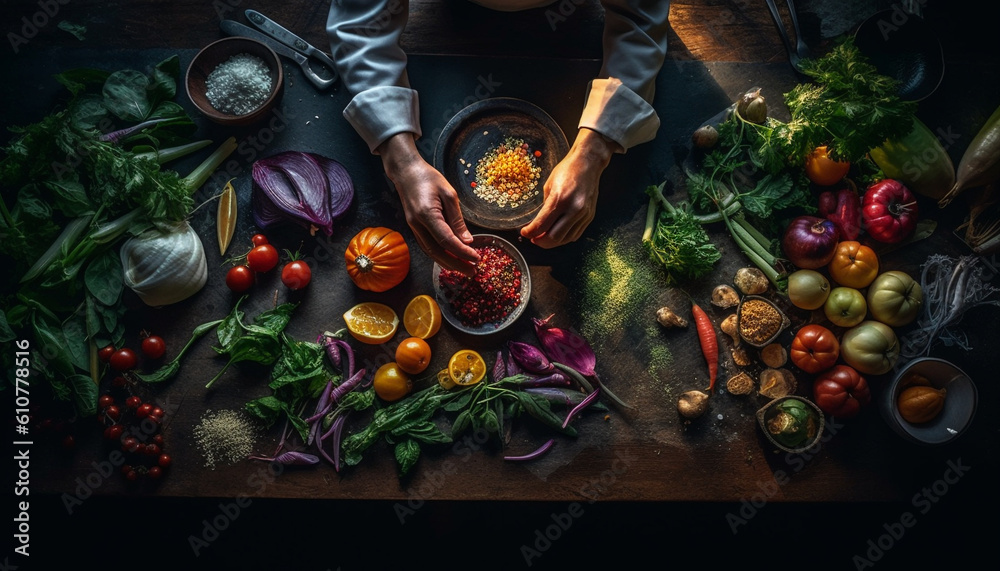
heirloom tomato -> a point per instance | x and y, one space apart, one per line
889 211
854 264
895 298
845 307
871 347
841 391
814 348
808 289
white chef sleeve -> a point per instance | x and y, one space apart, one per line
364 42
619 101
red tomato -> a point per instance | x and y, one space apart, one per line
889 211
814 348
259 240
153 347
124 359
239 279
262 258
104 354
296 274
841 391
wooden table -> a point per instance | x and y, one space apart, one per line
638 477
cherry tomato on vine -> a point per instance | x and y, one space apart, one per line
154 347
259 240
296 274
124 359
104 354
239 279
262 258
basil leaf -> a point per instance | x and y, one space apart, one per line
462 422
104 278
407 453
125 95
76 342
84 394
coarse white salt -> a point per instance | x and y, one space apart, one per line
239 85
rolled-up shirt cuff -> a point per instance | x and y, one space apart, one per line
381 112
618 113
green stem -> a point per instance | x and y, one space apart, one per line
200 174
162 156
73 230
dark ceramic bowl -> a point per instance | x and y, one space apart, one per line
904 47
218 52
445 295
481 128
959 403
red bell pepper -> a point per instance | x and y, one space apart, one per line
843 208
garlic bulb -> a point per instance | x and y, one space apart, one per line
165 267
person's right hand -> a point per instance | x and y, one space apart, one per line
430 205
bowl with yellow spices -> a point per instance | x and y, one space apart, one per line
497 153
759 321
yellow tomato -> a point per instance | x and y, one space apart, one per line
854 265
823 170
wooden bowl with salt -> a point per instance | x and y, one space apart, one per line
235 81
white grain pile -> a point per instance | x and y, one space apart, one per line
239 85
225 437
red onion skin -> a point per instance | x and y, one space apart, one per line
810 242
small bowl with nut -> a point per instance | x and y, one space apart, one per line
759 321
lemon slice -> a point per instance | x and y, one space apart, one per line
422 317
466 367
372 323
444 379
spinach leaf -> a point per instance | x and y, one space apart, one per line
407 453
84 394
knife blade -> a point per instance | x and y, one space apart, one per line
234 28
283 35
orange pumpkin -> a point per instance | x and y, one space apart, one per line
377 259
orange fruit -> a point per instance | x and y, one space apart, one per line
422 317
413 355
466 367
391 383
371 322
823 170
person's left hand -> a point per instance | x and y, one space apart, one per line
571 192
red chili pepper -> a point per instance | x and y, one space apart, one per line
709 343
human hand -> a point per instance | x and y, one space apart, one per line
571 192
430 205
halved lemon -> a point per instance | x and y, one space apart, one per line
371 322
466 367
422 317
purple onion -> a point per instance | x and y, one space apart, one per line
530 358
303 188
565 346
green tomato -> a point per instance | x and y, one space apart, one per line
895 298
845 306
871 347
808 289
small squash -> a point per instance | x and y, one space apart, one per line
920 403
377 259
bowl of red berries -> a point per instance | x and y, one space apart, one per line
494 297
